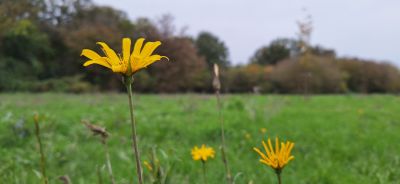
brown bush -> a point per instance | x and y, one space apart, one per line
370 77
186 71
249 78
309 74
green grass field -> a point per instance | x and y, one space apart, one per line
339 139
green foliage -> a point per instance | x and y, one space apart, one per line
285 48
27 59
213 49
245 79
339 139
71 84
25 42
14 11
270 55
323 52
22 50
158 168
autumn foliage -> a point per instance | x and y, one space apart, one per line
40 44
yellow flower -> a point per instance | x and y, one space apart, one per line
276 158
148 166
202 153
247 136
263 130
36 117
129 63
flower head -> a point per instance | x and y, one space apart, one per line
130 62
276 158
247 136
148 165
263 130
36 117
202 153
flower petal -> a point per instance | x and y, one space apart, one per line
92 55
270 148
119 68
140 64
113 57
290 148
267 150
126 49
138 46
260 153
266 163
149 48
100 61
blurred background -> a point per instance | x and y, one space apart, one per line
262 46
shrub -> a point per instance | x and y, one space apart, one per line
250 78
72 84
310 73
370 77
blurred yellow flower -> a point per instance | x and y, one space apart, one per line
202 153
247 136
36 117
129 63
148 166
263 130
276 158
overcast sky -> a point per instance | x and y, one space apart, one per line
367 29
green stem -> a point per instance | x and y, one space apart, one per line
42 157
204 171
278 174
109 167
223 154
99 178
139 172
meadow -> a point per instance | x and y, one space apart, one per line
338 138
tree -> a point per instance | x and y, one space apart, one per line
245 79
369 76
23 54
212 49
313 74
270 55
186 71
322 51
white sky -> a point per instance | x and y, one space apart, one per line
367 29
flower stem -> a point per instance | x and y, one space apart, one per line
99 178
139 172
109 167
204 172
223 154
42 157
278 174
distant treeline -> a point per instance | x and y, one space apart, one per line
41 41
